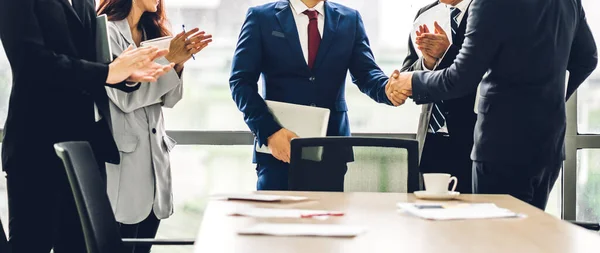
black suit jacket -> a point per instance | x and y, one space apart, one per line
459 111
51 49
527 46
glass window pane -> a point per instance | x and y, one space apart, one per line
588 185
554 205
3 199
5 86
199 171
588 108
207 102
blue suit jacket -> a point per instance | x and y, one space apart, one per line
269 45
526 46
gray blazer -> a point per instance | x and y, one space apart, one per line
142 182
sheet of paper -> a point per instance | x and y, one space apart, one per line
439 13
284 213
323 230
258 197
460 211
160 43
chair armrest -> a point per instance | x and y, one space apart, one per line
129 241
587 225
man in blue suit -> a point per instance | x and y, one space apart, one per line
303 49
526 47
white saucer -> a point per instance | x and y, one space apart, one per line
436 196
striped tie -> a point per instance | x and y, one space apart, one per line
454 22
438 120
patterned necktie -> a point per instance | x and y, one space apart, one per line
438 120
314 37
454 22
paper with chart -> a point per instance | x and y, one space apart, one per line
439 13
322 230
457 211
257 197
284 213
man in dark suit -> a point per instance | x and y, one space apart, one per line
303 49
526 47
447 124
56 85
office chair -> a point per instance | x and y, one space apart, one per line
3 239
100 227
377 164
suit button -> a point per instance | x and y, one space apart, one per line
312 79
313 105
154 130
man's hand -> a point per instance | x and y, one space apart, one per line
279 144
396 96
149 74
428 59
137 65
400 87
433 44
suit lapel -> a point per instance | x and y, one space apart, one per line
462 28
288 24
70 9
332 19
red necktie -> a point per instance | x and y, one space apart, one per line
314 37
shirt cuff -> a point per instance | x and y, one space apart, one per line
424 66
128 84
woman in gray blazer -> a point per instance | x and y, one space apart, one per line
140 187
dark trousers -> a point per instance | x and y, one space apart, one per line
442 155
323 176
144 230
42 211
529 183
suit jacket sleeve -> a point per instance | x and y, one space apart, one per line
483 38
584 55
25 47
146 93
365 73
245 71
173 97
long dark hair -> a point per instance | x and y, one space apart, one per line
154 23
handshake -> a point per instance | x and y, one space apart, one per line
399 87
433 46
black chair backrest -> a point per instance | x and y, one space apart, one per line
380 164
3 239
100 227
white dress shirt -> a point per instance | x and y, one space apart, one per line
302 21
462 6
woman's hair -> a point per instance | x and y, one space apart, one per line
154 23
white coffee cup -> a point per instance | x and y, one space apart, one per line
438 182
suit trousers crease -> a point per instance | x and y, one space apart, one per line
530 183
442 154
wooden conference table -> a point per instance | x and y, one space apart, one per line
388 230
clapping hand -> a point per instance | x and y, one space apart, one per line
137 65
432 45
186 44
